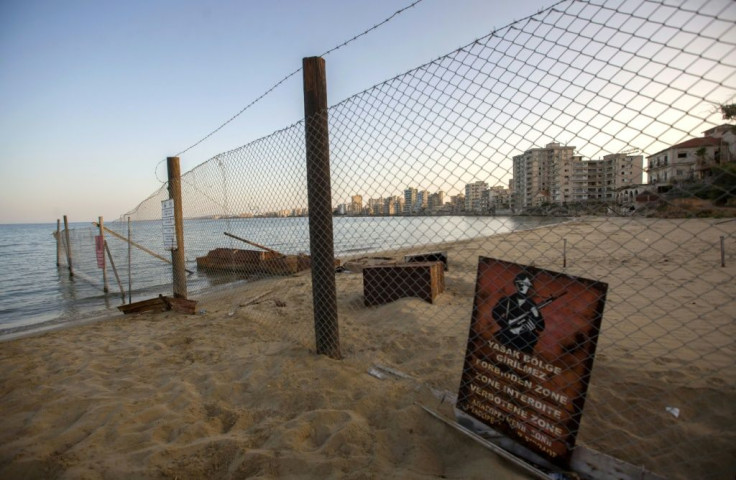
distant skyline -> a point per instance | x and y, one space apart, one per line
95 95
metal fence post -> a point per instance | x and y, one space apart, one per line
178 260
319 195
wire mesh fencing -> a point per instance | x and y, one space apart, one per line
572 174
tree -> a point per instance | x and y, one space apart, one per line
729 111
723 183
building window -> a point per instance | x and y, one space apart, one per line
682 155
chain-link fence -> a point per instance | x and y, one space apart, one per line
571 175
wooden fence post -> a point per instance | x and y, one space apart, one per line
68 247
178 260
115 271
324 293
130 278
58 242
105 287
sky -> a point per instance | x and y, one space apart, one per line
95 95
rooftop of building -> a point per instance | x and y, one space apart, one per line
692 143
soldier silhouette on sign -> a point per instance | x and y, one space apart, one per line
519 317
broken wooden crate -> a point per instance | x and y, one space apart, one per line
387 283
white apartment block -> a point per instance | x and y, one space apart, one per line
533 173
596 180
499 197
422 201
393 205
410 199
457 203
474 197
356 205
436 201
554 174
375 206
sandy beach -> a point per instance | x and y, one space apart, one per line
237 391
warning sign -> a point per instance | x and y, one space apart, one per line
530 352
168 224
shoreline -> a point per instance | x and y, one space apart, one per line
101 312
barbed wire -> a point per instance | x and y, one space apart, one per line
287 77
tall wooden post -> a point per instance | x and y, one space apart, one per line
68 247
58 242
130 278
178 260
105 287
321 242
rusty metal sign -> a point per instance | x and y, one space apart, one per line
530 354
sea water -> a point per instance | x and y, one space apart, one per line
36 294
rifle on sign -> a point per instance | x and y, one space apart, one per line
522 322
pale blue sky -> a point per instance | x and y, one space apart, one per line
94 94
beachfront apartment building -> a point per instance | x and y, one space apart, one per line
422 201
693 159
595 180
555 174
457 203
475 198
532 174
410 200
499 197
375 206
356 205
436 201
393 205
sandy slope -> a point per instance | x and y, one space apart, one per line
238 392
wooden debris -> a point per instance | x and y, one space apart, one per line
428 257
161 304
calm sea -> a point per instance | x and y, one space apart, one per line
35 294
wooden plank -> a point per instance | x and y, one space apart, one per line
529 468
180 305
594 464
428 257
115 271
253 243
161 304
151 305
586 463
136 245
